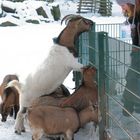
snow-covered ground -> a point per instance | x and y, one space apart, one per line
24 47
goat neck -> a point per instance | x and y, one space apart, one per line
87 115
89 81
68 38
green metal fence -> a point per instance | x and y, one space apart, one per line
115 30
112 59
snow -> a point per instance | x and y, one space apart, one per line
24 47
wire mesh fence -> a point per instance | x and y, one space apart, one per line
112 58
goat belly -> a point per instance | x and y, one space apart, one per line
53 120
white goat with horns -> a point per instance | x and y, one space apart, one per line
59 63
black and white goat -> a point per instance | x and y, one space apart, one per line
59 63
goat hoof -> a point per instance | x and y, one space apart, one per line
17 132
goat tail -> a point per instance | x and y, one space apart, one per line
15 84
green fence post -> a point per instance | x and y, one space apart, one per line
81 50
76 75
101 82
92 52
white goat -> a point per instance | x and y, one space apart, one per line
53 71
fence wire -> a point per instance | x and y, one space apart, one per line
111 56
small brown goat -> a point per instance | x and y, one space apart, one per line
10 102
86 93
8 95
53 120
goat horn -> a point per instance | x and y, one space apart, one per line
69 17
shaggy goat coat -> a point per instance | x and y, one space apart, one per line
56 67
48 77
50 74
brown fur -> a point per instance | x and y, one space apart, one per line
8 97
53 120
10 102
86 93
76 25
47 100
6 80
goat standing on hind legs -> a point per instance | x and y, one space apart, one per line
53 71
82 100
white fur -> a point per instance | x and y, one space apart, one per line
51 74
16 84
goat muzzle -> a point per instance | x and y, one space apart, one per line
88 22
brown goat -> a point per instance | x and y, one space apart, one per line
4 95
53 120
86 93
10 102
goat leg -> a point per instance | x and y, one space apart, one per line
19 124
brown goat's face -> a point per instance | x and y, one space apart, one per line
82 24
89 71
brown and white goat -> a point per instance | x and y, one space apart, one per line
86 93
52 72
52 120
9 103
